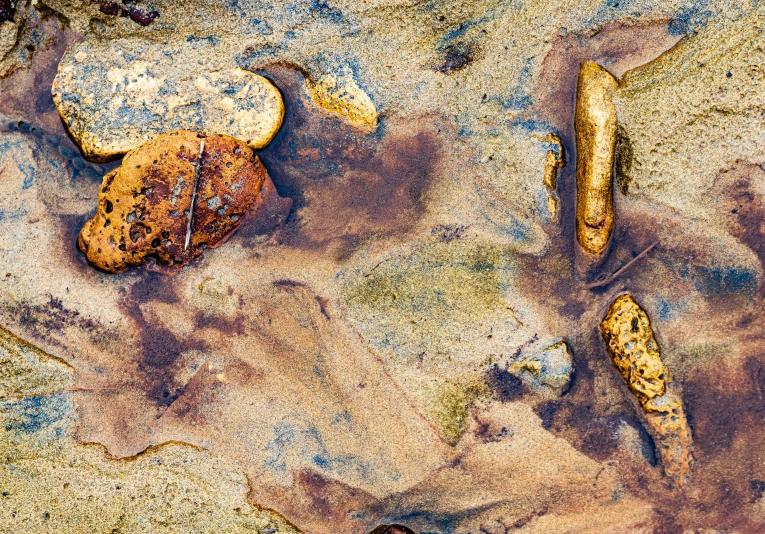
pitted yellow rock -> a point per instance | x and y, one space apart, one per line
630 341
672 436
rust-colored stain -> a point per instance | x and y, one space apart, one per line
171 199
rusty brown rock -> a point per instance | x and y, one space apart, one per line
144 205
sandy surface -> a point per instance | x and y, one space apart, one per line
353 367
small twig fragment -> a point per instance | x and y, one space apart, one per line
605 280
194 195
375 267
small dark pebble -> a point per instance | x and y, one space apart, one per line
78 163
109 8
143 19
7 10
130 10
392 529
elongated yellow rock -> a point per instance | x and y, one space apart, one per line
595 125
630 342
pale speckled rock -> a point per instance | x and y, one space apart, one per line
340 93
547 372
115 96
8 32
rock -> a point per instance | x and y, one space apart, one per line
326 407
595 124
629 338
554 162
116 96
143 206
547 373
339 93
